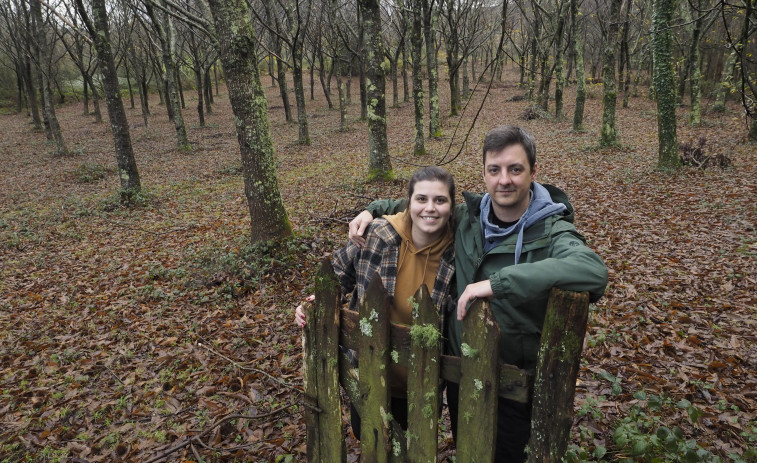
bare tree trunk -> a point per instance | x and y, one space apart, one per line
166 34
725 82
236 36
609 134
100 35
380 164
43 56
416 39
578 113
430 20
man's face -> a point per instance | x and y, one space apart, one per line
508 178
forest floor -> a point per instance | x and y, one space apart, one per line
126 333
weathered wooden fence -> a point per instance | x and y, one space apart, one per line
482 379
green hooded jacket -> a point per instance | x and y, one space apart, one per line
553 254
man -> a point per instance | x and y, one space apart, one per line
512 245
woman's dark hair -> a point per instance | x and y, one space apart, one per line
432 173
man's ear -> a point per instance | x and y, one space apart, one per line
534 171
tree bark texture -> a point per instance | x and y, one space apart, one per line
236 38
44 63
416 51
166 35
119 125
430 21
609 133
578 112
380 164
664 83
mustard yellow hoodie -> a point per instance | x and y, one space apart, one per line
414 267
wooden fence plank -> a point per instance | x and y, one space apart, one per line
423 379
556 372
513 381
373 362
325 439
477 415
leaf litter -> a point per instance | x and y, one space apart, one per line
159 333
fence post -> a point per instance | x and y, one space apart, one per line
323 415
373 361
423 379
479 385
556 372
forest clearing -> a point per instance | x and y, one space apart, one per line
131 333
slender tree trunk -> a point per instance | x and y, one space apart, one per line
695 73
166 34
559 67
299 95
405 83
578 113
43 54
143 102
31 89
128 83
198 84
430 20
100 35
664 83
609 135
322 78
283 90
236 40
180 86
380 164
726 82
85 94
19 88
416 40
95 100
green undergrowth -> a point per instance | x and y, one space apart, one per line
640 435
234 269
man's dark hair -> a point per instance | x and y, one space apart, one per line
503 136
432 173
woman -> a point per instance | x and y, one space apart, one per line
407 250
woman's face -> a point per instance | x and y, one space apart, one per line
430 208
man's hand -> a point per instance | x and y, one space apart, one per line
472 292
357 227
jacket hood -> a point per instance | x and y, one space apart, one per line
540 207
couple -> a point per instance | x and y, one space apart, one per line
511 245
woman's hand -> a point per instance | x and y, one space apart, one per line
300 317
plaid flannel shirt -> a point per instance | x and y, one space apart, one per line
355 266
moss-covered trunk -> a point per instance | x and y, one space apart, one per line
416 39
430 20
609 133
726 82
119 125
43 57
303 133
167 36
237 44
664 83
578 45
695 73
375 85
